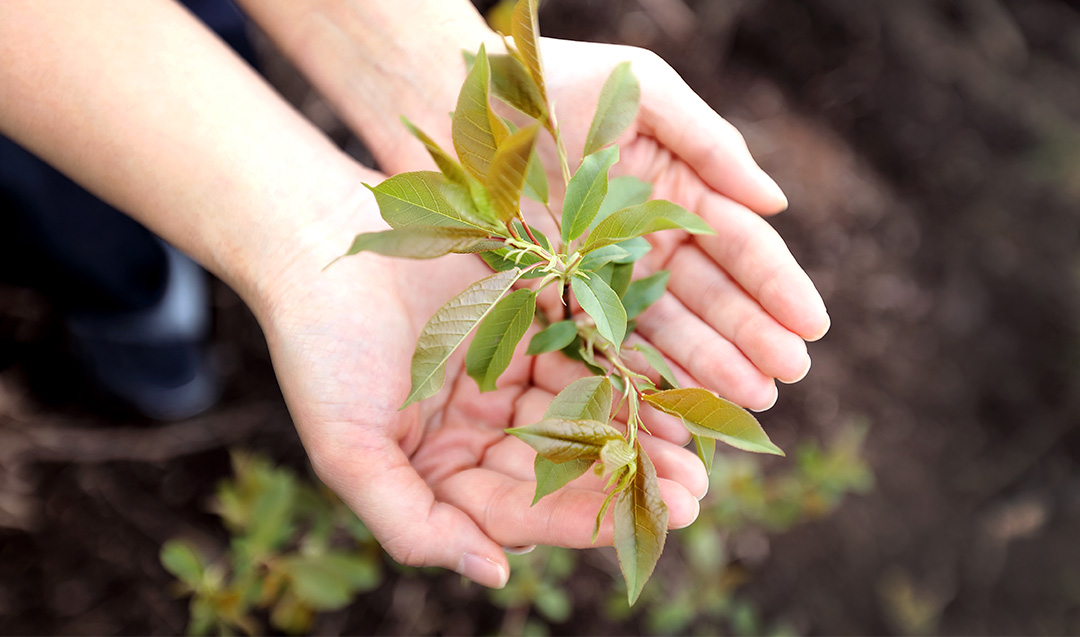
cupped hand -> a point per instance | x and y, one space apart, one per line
439 483
740 307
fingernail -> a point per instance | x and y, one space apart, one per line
776 394
828 324
705 492
519 550
805 371
697 512
482 571
776 192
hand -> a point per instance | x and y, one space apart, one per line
440 483
739 306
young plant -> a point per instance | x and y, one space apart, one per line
296 551
473 205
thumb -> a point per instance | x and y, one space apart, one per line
379 484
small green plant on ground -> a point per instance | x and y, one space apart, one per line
473 205
296 550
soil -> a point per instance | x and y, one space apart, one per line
931 152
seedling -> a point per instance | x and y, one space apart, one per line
473 205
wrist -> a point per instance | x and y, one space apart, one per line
286 256
377 60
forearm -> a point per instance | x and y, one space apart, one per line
141 104
376 60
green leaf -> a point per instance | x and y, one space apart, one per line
474 198
426 198
586 192
541 238
506 175
635 221
477 131
272 516
576 351
182 560
536 181
329 581
552 476
623 192
599 258
525 29
447 164
617 276
423 242
560 440
512 83
644 292
203 617
291 615
708 415
499 262
447 329
616 108
496 260
603 305
654 358
635 249
493 346
641 520
554 604
706 450
552 338
584 399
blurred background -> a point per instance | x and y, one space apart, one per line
931 153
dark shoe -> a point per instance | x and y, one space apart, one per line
155 360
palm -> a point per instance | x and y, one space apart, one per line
343 361
440 482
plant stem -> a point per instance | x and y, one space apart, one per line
554 217
563 161
628 376
560 147
528 231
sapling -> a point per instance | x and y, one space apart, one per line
473 205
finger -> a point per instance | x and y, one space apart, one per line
665 426
552 372
712 295
712 360
677 464
399 508
755 256
679 119
502 507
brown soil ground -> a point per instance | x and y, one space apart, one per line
931 152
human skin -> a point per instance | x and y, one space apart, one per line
139 103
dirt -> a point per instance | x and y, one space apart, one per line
931 152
